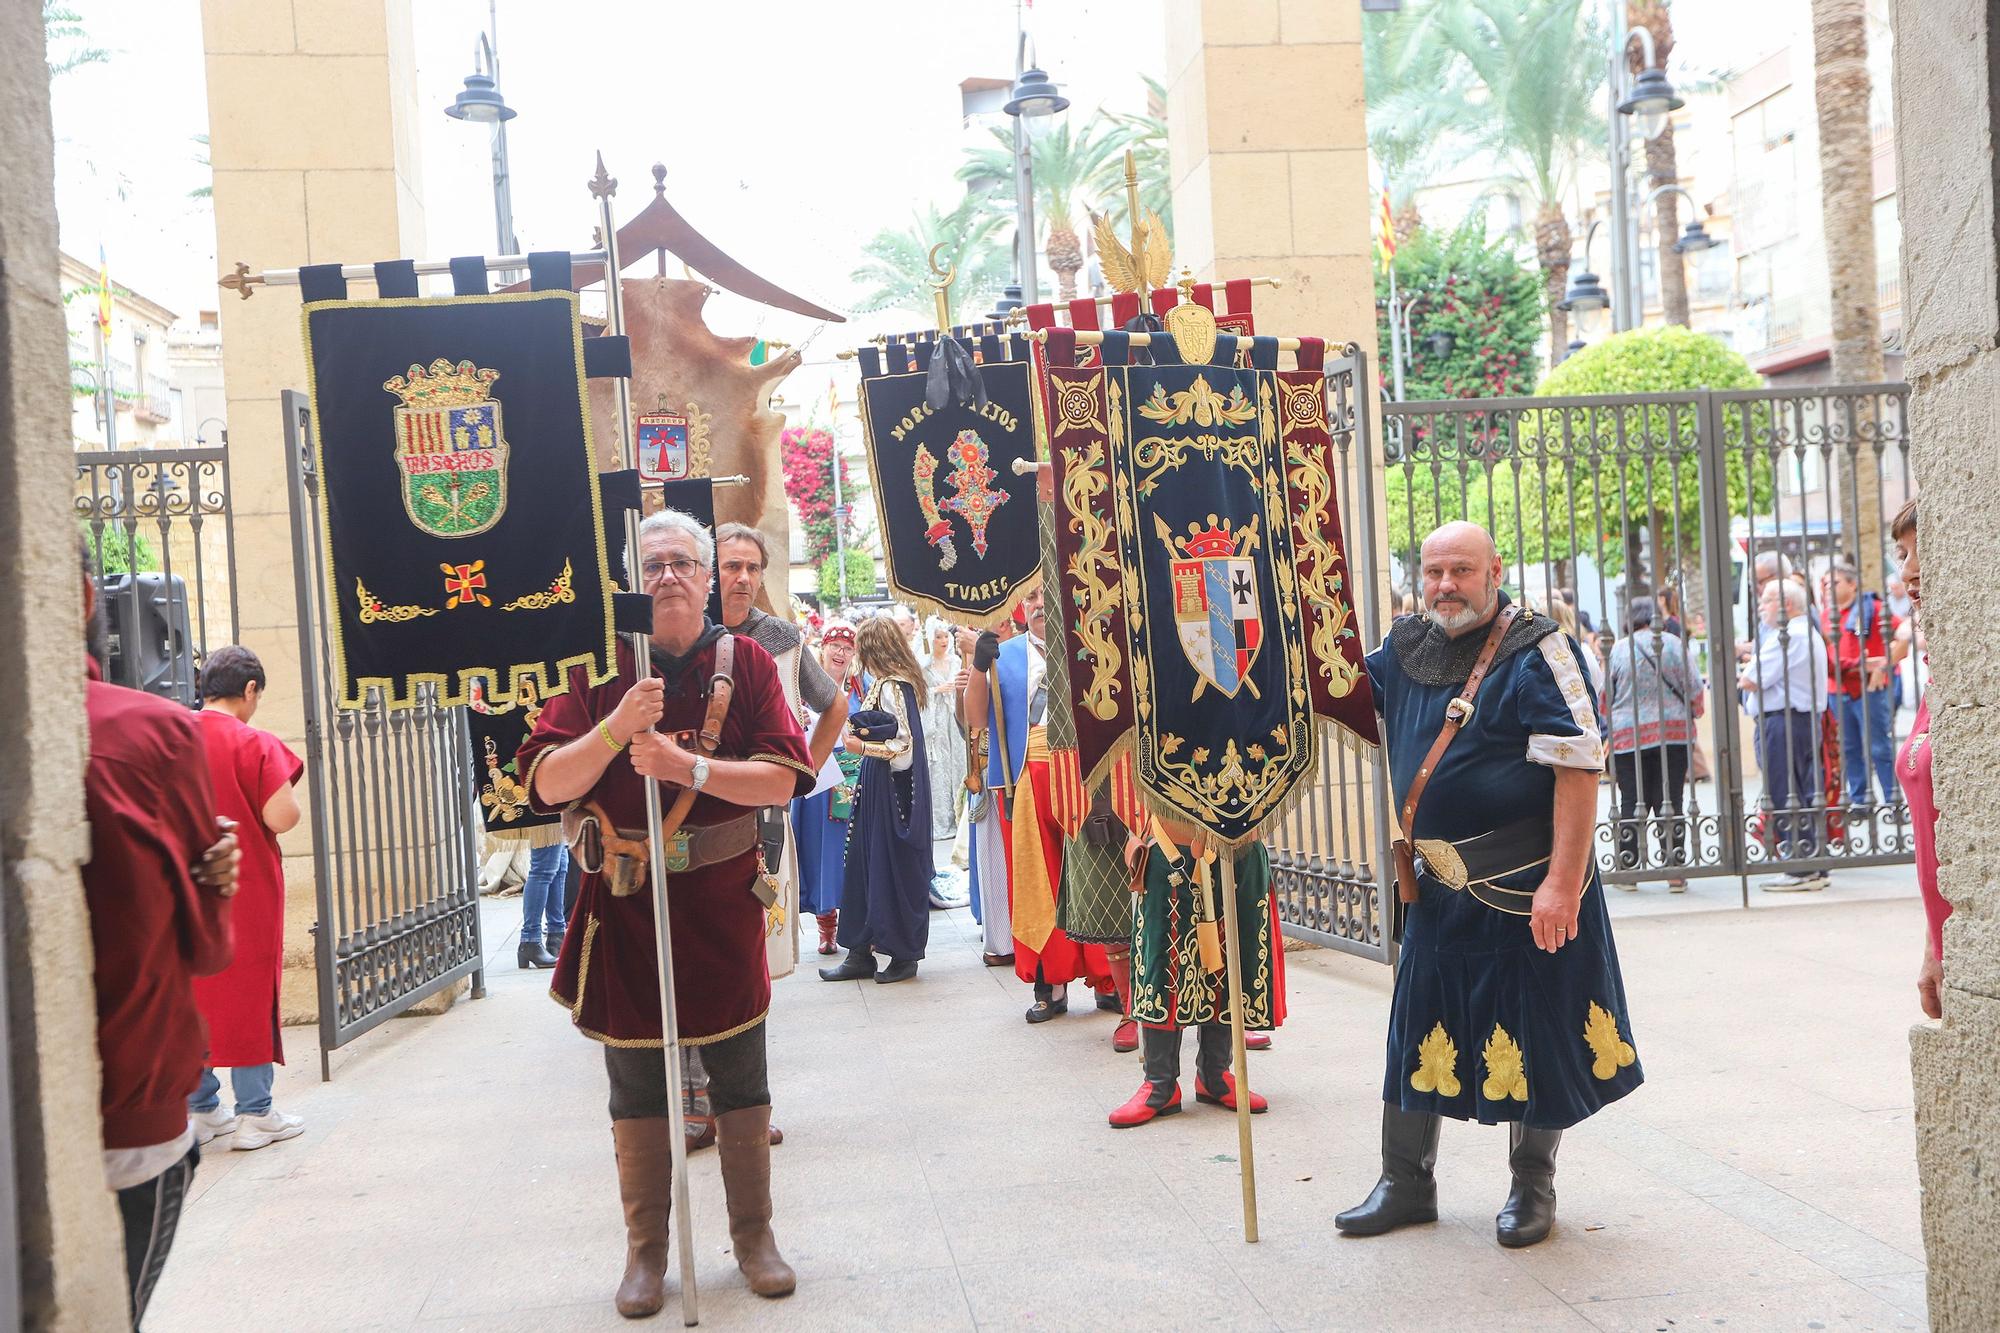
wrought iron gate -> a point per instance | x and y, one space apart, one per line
394 815
1701 504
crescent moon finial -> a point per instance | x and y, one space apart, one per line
946 275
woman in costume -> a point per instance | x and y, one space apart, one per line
820 822
944 738
884 902
1913 774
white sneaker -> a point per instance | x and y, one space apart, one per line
1805 881
213 1124
259 1130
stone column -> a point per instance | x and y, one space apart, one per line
1947 104
68 1256
312 134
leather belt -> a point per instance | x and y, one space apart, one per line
622 855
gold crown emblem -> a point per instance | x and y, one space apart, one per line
443 385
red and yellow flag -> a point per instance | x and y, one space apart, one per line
1385 240
103 293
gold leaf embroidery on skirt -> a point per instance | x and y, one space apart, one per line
1613 1052
1437 1064
1506 1074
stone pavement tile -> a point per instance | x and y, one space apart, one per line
1024 1224
875 1231
1889 1211
1824 1303
1829 1242
321 1283
1654 1242
1175 1281
1425 1317
916 1300
1444 1272
1905 1291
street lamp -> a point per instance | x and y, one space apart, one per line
1647 100
1694 237
1009 302
1034 97
1586 289
480 101
199 438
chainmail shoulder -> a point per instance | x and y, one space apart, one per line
773 635
1429 656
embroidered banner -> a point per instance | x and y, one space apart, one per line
1201 559
496 729
462 525
959 530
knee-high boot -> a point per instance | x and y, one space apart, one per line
744 1140
1407 1191
646 1186
1530 1209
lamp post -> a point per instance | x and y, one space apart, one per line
1586 290
199 438
1648 99
480 101
1034 97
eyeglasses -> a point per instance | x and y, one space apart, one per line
655 570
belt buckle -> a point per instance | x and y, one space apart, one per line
1459 710
678 852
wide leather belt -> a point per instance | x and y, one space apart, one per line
1472 864
623 855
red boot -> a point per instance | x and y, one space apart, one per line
1256 1041
1226 1099
1141 1109
1125 1037
828 922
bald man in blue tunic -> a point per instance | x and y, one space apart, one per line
1509 1006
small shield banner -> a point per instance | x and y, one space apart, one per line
1209 629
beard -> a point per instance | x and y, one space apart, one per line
1456 622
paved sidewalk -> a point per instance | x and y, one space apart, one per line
948 1166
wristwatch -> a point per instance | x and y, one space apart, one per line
700 775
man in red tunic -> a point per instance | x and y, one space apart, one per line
252 772
590 750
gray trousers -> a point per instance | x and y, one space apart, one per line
738 1076
1161 1048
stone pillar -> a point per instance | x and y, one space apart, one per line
312 133
1947 101
68 1251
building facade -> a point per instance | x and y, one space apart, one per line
132 359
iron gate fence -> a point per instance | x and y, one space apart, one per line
157 526
394 814
1752 727
1704 547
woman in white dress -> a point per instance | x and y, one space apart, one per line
944 737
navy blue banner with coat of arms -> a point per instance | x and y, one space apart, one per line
460 509
1200 634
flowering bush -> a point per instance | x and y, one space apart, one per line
1485 302
808 458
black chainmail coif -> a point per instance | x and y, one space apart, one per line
1429 656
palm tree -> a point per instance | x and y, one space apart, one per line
1418 111
1540 68
1847 195
64 27
1068 168
1145 134
1663 167
898 266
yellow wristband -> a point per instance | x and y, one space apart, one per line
604 730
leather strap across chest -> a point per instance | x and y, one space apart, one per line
1456 714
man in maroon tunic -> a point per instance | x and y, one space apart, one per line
590 749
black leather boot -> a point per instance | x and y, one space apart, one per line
859 965
1407 1192
1530 1209
532 954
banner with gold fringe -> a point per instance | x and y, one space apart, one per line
1202 566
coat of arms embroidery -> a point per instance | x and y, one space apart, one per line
1216 610
450 448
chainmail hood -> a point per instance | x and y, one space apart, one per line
1429 656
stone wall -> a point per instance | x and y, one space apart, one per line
69 1246
1946 114
312 107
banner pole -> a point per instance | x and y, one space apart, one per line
1232 961
604 188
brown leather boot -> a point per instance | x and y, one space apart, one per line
744 1138
646 1184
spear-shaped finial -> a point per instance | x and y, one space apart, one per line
603 185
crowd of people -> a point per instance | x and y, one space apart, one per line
853 756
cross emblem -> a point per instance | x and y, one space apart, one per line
1239 587
462 584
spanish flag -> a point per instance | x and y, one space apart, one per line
103 293
1385 241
